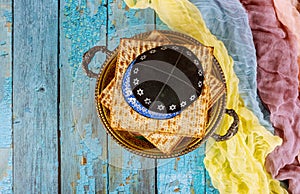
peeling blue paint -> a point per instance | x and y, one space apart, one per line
6 179
83 28
6 114
84 25
131 166
8 16
184 174
5 105
3 53
91 151
130 22
6 134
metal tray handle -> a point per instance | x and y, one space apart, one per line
233 129
89 55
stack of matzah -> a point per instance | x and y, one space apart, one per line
164 134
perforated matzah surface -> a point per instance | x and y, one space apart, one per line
191 122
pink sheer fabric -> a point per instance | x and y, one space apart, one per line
296 3
278 87
288 15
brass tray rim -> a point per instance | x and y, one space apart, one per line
194 145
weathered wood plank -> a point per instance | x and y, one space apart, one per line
6 96
128 173
185 174
83 139
35 125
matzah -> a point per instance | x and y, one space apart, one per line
189 123
166 142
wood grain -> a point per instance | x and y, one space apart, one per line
185 174
128 173
35 94
6 96
59 144
83 139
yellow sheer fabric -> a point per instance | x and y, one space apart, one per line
236 165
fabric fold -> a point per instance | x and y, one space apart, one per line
288 15
228 21
278 86
236 165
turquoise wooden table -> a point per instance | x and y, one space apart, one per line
51 140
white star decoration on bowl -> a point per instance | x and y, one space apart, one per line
164 48
136 81
136 70
160 107
143 57
199 84
128 92
200 73
132 100
147 101
175 47
192 97
183 104
140 92
172 107
153 51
